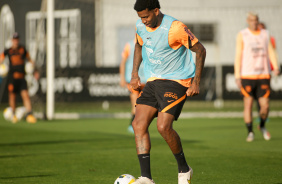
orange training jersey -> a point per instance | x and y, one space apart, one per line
255 63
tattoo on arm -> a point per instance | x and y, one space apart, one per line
200 51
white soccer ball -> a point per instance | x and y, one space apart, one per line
29 68
125 179
8 113
20 112
4 69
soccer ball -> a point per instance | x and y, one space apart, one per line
20 112
125 179
8 113
29 68
4 69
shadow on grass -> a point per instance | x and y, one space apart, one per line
28 155
32 176
94 137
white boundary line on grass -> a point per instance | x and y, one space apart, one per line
184 115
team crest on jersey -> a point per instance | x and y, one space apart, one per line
189 33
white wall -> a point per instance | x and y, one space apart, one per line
228 15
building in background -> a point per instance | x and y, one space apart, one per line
90 34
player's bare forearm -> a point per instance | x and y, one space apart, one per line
135 80
200 51
137 60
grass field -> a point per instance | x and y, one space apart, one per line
97 151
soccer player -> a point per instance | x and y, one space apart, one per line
16 77
252 71
165 45
261 25
125 70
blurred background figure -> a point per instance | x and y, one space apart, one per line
17 84
252 71
261 25
125 70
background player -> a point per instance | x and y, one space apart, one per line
252 71
163 43
125 70
261 25
16 77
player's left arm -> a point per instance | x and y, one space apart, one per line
200 51
36 73
273 59
29 58
180 34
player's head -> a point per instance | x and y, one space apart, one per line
252 20
261 26
15 40
148 11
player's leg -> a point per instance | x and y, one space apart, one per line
26 100
171 97
263 95
247 90
143 118
27 103
165 128
133 98
12 103
248 118
264 103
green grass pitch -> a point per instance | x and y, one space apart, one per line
97 151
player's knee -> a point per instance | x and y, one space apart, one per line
264 110
138 126
163 129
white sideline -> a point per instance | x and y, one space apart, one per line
184 115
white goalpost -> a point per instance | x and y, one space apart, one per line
50 73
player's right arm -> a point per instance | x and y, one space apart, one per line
238 59
2 57
135 80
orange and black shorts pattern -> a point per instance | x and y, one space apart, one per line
17 85
165 95
255 88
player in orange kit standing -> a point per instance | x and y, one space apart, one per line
252 71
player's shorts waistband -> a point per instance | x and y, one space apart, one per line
183 82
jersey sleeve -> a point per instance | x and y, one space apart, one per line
179 35
138 38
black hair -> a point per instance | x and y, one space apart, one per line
141 5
